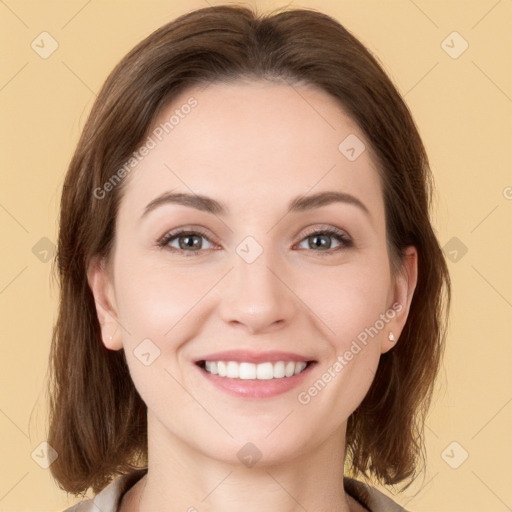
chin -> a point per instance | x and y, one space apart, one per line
257 447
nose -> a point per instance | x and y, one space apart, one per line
257 296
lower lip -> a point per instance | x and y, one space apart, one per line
254 388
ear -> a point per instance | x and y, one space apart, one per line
102 288
402 293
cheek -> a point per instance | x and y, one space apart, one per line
153 300
347 300
158 300
349 305
156 305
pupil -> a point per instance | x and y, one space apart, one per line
318 241
194 244
324 243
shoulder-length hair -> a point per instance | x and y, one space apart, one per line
97 418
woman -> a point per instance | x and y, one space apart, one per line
253 299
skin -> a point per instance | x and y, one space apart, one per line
254 146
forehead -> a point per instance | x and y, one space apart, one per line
255 140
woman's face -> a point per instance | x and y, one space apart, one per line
250 288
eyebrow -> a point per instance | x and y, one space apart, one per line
209 205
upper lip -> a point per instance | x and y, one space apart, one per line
249 356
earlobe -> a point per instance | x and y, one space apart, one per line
404 287
102 290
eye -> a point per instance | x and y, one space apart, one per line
185 241
319 238
188 242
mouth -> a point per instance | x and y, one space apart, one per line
249 375
251 371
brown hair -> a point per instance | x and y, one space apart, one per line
97 418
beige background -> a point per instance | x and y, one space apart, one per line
463 109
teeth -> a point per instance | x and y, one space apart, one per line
232 370
278 370
211 366
262 371
247 371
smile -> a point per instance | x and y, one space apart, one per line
250 371
247 374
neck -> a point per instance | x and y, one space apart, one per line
181 478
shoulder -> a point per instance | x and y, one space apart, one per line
371 498
109 498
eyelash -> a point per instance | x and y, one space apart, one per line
333 232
